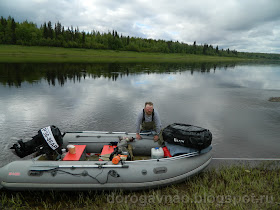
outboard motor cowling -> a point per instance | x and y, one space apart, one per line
48 141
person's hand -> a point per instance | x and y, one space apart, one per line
138 136
156 138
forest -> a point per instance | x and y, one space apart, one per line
29 34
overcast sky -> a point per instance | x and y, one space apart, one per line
243 25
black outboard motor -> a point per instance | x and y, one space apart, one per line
48 141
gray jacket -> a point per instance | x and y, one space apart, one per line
148 118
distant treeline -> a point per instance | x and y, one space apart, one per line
27 33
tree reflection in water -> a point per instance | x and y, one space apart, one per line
16 74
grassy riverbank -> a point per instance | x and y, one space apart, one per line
25 54
233 187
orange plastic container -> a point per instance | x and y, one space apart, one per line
116 159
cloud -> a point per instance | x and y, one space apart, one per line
242 25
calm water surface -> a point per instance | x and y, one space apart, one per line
230 100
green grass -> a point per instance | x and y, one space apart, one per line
234 187
25 54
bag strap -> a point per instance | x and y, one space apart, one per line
143 118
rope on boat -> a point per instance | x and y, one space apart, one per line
85 173
112 173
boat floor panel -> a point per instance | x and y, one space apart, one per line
95 157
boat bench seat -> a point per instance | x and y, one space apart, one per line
106 152
79 155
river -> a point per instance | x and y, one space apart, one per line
231 100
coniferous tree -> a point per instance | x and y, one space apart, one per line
84 38
13 29
3 26
57 30
45 31
50 30
77 34
194 47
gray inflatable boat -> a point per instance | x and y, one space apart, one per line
89 169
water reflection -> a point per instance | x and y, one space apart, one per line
230 100
16 74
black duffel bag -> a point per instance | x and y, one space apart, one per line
187 135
